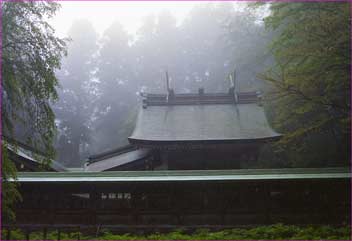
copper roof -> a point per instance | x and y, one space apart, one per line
220 117
187 175
115 159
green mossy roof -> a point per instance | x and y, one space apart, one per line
216 122
192 175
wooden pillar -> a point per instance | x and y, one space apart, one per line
44 233
27 234
8 235
176 205
79 233
223 204
94 197
164 159
136 200
267 209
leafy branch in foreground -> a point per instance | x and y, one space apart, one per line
310 96
30 55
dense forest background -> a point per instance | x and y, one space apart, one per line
102 76
298 54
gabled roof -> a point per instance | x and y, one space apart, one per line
31 156
206 118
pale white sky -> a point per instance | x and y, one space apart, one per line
103 13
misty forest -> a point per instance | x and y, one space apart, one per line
99 98
298 57
70 98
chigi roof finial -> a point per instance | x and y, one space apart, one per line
170 91
232 90
167 81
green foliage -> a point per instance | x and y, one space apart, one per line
30 55
273 232
16 234
310 98
9 194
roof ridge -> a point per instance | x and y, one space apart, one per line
200 98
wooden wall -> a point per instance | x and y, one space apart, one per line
186 203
